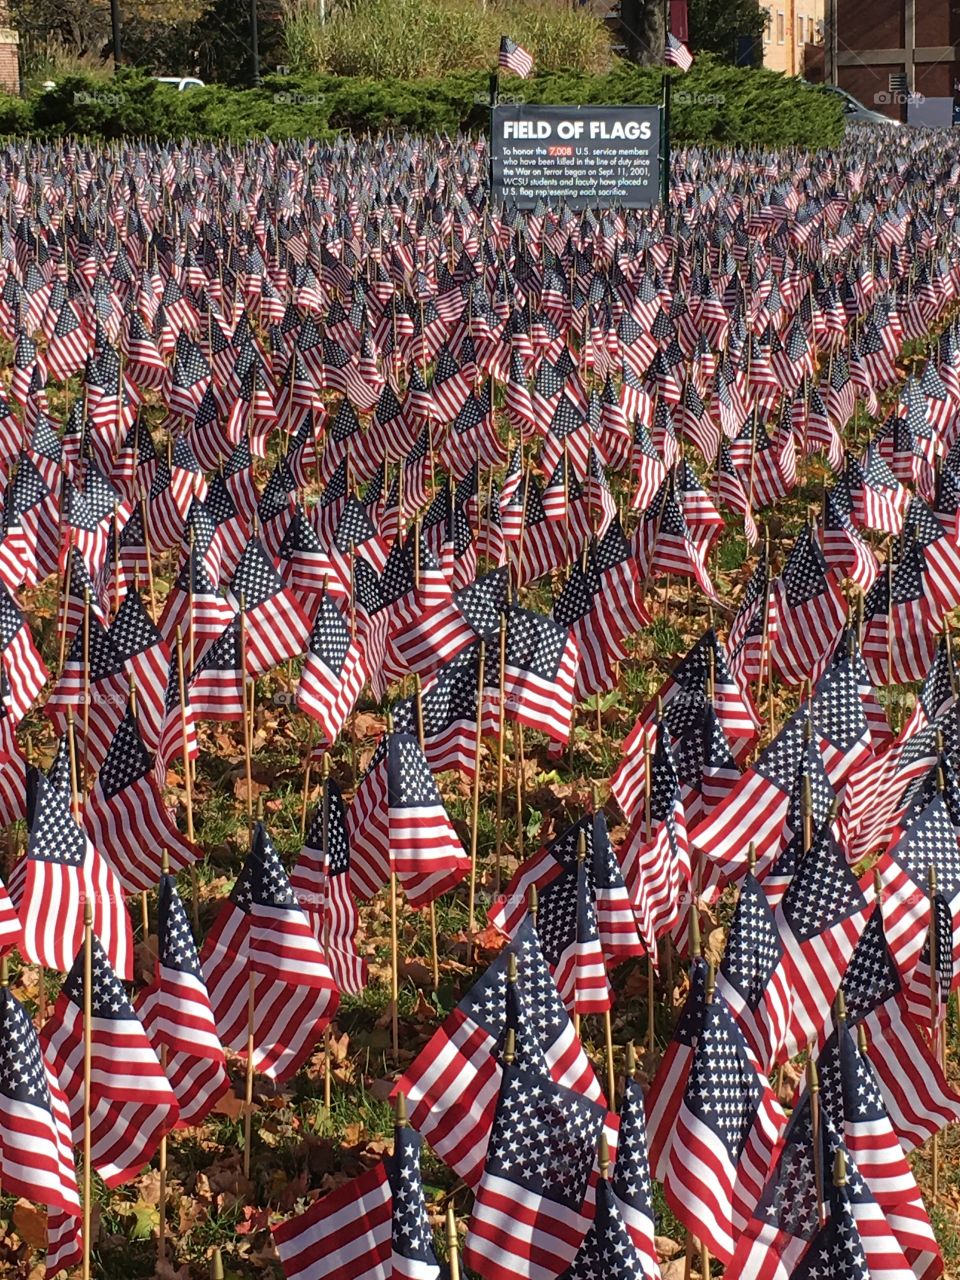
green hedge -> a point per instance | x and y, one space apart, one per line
713 103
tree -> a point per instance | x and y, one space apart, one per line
717 25
642 24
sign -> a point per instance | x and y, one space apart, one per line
583 156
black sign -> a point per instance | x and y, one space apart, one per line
582 156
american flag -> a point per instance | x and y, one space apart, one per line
918 1098
398 823
727 1136
751 978
276 627
412 1251
321 881
217 687
529 1212
346 1235
97 690
670 1083
898 635
539 672
60 873
333 672
134 1105
676 53
34 1121
810 611
146 660
453 1083
926 839
631 1186
853 1108
262 940
126 817
175 1011
449 720
22 664
513 57
820 919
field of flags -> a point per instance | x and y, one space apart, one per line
309 445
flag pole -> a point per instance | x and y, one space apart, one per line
87 1081
475 799
422 739
162 1203
216 1266
518 752
146 547
86 685
187 779
453 1244
67 580
248 1076
813 1085
648 832
324 851
74 767
247 710
394 949
501 743
933 944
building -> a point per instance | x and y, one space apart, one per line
792 25
900 57
9 53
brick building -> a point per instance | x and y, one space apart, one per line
900 57
9 53
792 25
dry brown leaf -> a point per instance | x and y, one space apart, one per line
30 1224
229 1105
149 1187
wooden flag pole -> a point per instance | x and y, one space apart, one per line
86 686
87 1083
67 580
501 744
146 546
422 739
248 1075
453 1244
518 752
648 829
216 1266
933 943
813 1085
475 797
187 779
247 710
74 767
324 850
162 1201
394 950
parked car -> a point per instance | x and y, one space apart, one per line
181 83
855 112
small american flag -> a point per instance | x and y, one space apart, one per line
529 1212
135 1105
321 881
513 57
176 1014
676 53
262 931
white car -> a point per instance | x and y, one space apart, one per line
181 83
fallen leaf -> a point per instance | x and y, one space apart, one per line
240 787
149 1187
229 1105
30 1224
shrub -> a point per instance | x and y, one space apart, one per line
713 103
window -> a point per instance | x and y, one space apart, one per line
780 27
800 29
767 23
